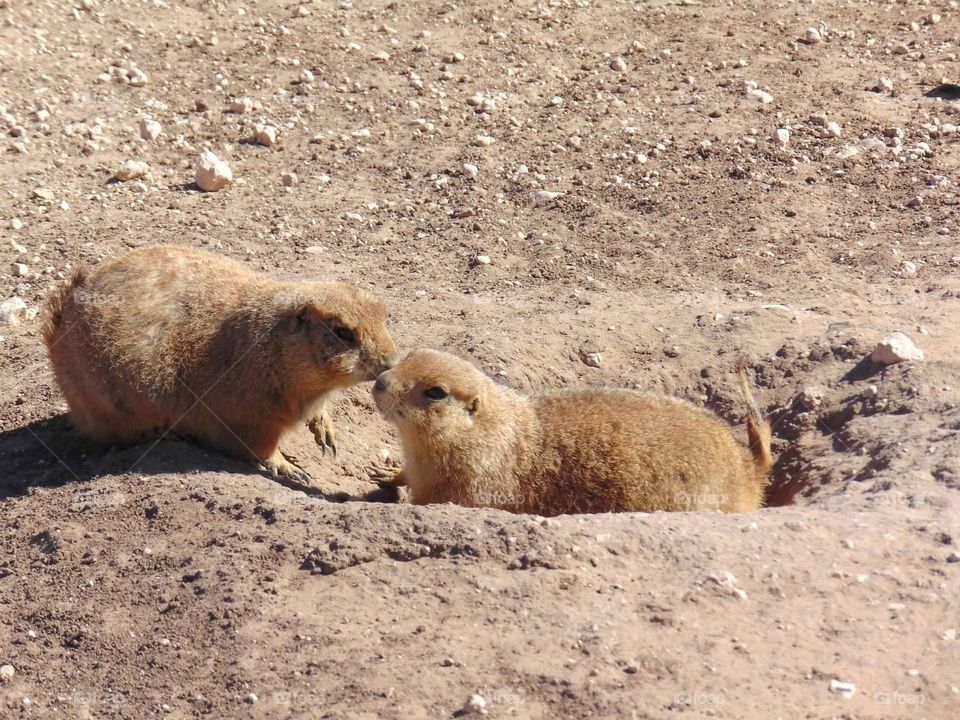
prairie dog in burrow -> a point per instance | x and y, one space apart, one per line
469 441
168 338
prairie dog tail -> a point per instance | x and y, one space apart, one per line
758 429
57 302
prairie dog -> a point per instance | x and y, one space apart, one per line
172 338
471 442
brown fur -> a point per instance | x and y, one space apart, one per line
554 453
171 338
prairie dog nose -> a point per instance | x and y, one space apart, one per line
381 382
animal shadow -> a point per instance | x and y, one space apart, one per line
51 453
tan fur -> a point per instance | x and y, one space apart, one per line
171 338
554 453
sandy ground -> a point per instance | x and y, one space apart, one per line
699 219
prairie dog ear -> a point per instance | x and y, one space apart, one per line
304 315
473 405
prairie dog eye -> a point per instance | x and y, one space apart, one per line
345 334
435 393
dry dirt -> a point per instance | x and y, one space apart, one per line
166 581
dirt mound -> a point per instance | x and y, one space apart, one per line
665 186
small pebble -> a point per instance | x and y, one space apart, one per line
305 76
289 179
42 193
896 348
832 130
137 77
20 269
251 698
265 135
618 64
842 688
132 170
812 36
212 173
482 260
241 105
476 704
953 557
762 97
150 129
6 673
13 311
543 197
471 169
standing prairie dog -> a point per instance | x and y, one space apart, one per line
471 442
171 338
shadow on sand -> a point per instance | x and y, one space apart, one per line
50 452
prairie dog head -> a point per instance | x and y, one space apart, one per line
434 394
338 331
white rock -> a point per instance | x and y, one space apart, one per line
482 259
475 705
908 269
812 35
762 97
885 85
544 197
471 169
872 144
833 130
150 129
241 105
265 135
16 224
132 170
20 269
811 397
483 140
618 64
842 688
783 136
251 698
212 173
6 673
896 348
592 359
305 76
13 311
137 77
